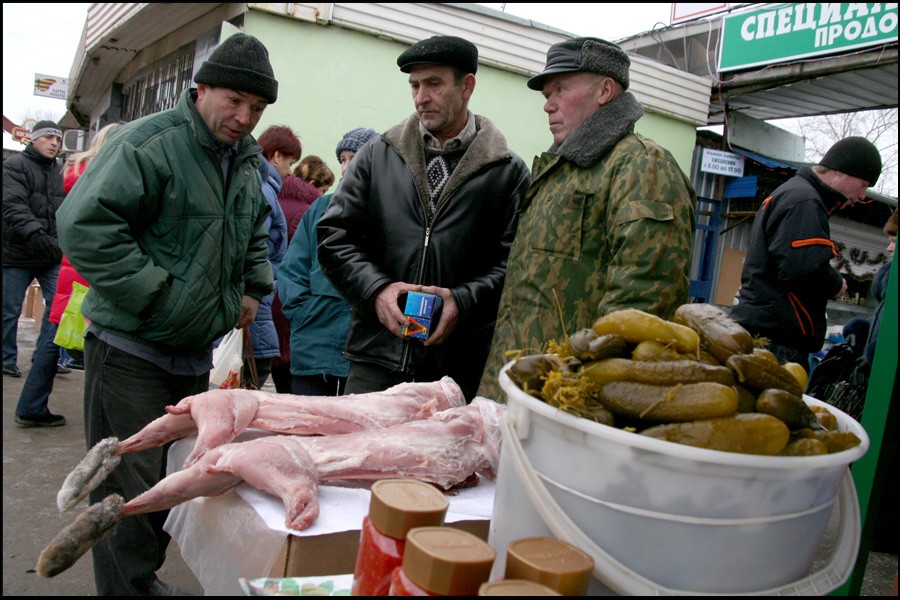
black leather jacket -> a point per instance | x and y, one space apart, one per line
375 232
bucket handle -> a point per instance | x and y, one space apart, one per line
623 580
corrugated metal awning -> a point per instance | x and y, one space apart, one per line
772 163
741 187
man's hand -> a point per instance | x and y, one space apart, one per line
843 288
44 245
386 307
249 307
449 315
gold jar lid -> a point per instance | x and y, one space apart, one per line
447 561
551 562
398 505
515 587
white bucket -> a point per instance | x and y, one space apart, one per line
665 518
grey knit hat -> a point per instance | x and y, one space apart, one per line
855 156
354 139
42 128
240 63
587 54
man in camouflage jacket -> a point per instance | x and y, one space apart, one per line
609 216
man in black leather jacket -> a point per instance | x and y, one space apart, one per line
429 206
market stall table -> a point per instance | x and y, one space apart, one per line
241 533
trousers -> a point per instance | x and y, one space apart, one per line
38 384
122 394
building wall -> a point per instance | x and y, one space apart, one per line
331 80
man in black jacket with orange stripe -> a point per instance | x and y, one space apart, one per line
788 278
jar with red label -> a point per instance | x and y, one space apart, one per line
395 507
442 561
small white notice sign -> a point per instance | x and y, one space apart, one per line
723 163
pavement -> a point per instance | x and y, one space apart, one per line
37 460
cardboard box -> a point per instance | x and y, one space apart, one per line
241 533
420 310
335 553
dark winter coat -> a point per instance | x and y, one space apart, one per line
32 193
295 198
788 278
376 231
263 334
168 248
319 315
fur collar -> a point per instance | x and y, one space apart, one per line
597 135
487 147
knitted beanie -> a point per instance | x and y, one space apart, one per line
240 63
42 128
855 156
354 139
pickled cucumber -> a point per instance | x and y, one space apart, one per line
667 372
637 326
650 351
758 373
826 417
530 372
799 373
835 441
789 408
750 433
746 399
659 403
721 335
586 345
805 447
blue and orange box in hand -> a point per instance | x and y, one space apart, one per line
422 311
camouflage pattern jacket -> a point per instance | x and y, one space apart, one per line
608 225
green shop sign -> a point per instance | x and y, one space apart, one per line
783 32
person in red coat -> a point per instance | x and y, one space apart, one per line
75 166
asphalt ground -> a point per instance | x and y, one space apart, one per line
37 460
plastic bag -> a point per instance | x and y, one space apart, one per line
228 358
841 380
72 324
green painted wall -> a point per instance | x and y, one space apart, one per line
331 80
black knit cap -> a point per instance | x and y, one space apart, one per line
587 54
240 63
441 50
855 156
42 128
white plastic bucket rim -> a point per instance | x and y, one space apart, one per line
624 580
787 463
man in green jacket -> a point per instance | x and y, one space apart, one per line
167 224
609 216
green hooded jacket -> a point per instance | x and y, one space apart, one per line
609 225
168 251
